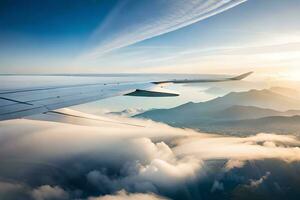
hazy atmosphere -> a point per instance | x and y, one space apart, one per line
149 99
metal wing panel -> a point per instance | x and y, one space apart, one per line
23 103
14 113
28 95
5 102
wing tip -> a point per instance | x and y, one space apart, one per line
242 76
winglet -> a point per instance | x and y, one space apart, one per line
240 77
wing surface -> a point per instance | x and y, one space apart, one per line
20 101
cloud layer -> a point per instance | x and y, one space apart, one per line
87 161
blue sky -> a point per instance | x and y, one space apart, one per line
180 36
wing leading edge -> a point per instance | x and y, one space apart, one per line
175 81
19 103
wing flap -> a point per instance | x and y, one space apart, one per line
153 92
70 116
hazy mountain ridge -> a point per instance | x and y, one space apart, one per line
273 124
251 112
236 113
292 93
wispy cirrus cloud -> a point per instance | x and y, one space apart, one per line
131 21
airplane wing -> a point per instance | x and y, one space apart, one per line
236 78
23 100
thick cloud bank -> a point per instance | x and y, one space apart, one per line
133 21
51 160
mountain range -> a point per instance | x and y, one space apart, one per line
243 113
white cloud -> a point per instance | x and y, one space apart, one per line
46 192
248 148
231 164
217 186
11 190
9 187
122 195
147 158
256 183
155 165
